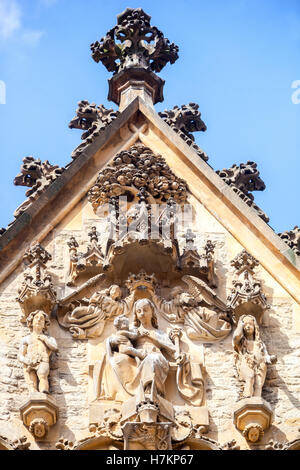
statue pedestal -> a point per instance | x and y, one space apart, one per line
39 413
252 416
147 436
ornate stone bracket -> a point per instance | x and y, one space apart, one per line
184 120
253 416
244 179
39 413
246 295
292 239
93 120
36 292
37 176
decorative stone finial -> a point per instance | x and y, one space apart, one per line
133 50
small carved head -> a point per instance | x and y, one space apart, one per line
39 428
250 326
115 292
121 323
253 432
142 308
39 320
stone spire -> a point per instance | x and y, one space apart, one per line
134 50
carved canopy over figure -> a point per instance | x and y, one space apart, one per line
35 351
252 356
119 375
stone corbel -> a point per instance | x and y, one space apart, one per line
39 413
253 416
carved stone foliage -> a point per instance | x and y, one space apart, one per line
244 179
246 295
185 120
292 239
93 120
17 444
251 357
110 426
37 290
134 43
135 169
37 176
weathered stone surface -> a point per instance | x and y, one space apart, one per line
141 45
244 179
185 120
292 239
93 120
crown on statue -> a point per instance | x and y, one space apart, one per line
141 281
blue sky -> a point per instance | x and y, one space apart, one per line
238 60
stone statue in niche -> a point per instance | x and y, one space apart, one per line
88 321
119 375
35 351
252 356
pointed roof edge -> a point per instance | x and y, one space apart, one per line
9 241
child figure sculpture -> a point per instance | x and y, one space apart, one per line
35 351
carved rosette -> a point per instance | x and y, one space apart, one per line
36 292
244 179
39 413
246 294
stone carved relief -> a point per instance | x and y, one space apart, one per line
252 357
196 306
36 291
184 120
203 314
87 320
93 120
17 444
141 45
252 415
292 239
90 262
110 426
135 169
35 351
246 295
39 412
38 176
244 179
